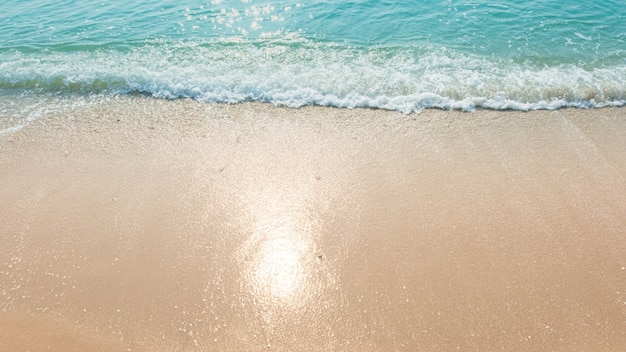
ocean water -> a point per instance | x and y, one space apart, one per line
398 55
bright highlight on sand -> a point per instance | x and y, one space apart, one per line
278 265
279 256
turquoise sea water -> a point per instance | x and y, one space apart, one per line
406 56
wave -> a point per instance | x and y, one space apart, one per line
295 72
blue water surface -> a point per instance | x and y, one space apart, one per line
406 56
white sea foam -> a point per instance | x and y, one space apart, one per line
297 72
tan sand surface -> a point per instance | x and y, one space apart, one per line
152 225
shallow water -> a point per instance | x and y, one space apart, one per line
407 57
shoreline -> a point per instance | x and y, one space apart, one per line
164 225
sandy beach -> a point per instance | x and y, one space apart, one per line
153 225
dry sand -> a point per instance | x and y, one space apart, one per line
155 225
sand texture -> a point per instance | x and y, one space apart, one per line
152 225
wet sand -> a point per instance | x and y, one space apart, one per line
152 225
